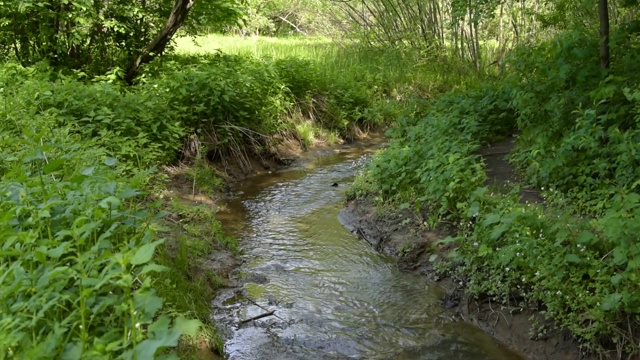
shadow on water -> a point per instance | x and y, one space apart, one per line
334 296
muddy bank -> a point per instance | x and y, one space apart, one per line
404 236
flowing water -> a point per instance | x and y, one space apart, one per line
334 296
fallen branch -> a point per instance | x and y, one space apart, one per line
258 317
264 308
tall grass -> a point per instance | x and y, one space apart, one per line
404 72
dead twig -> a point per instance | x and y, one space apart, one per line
258 317
264 308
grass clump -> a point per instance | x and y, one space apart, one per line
193 233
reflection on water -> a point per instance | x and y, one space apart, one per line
334 297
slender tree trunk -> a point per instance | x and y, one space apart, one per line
500 37
176 19
478 49
603 13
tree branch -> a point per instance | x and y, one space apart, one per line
176 19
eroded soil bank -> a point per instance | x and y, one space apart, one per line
405 235
402 236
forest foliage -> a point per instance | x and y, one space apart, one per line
83 265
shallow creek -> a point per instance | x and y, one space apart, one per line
334 296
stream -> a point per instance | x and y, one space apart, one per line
332 295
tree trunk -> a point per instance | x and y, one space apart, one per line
178 15
501 40
603 14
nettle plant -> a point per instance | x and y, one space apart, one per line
581 273
77 256
436 155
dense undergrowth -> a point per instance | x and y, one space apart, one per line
576 259
90 265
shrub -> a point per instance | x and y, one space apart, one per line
77 254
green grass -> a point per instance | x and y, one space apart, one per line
402 72
189 287
259 46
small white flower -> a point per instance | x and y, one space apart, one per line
507 269
137 325
475 243
559 292
537 273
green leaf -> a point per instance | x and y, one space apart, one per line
484 250
447 240
498 231
616 279
148 348
620 255
53 165
153 267
161 215
88 171
611 302
56 252
72 351
148 303
491 219
187 327
573 258
170 356
110 202
474 209
586 237
128 193
111 161
162 324
145 253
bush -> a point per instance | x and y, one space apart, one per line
437 155
582 141
77 253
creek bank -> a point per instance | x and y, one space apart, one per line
405 235
401 235
197 248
